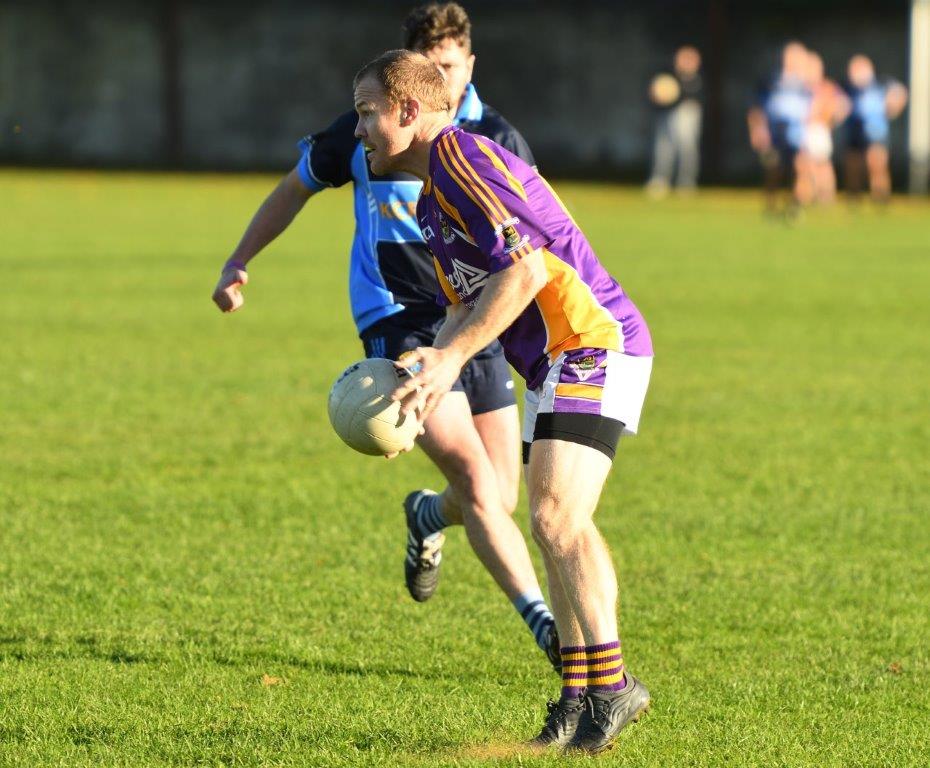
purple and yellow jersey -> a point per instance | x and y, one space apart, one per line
483 209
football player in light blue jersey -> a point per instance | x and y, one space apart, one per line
874 104
474 435
777 121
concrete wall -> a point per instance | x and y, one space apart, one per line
199 84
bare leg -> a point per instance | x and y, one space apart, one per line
566 623
565 481
500 433
803 179
824 181
855 168
876 158
473 497
569 629
771 179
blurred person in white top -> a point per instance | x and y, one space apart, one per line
829 108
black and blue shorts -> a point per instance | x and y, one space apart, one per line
485 379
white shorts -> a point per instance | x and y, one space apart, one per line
590 396
818 141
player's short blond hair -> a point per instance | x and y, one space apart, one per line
408 75
428 25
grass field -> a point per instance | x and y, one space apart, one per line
177 519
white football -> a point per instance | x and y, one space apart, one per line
362 412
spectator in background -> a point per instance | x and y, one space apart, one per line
677 98
829 107
873 104
777 122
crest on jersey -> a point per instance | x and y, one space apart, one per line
508 231
584 367
447 234
511 236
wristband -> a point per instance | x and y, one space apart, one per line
234 264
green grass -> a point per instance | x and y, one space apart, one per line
177 519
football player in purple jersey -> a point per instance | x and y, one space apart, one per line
512 265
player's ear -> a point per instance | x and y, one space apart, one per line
471 67
409 111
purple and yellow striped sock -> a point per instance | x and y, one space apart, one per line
605 667
574 671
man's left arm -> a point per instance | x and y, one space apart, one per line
505 296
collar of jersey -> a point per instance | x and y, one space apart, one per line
471 108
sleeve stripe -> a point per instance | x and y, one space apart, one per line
313 175
475 177
452 211
512 180
447 289
461 178
465 187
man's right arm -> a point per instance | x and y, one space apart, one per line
326 162
271 219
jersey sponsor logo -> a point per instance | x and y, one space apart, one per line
428 233
512 240
397 209
465 278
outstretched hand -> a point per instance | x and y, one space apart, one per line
433 371
228 294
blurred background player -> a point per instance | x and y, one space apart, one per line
829 107
777 122
677 98
873 104
474 434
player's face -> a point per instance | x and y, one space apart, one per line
861 72
379 125
456 65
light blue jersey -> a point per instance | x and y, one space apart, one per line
390 267
868 120
786 102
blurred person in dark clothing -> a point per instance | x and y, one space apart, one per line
677 99
777 121
874 103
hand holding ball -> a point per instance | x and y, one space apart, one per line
363 414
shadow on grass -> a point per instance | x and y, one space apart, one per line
328 666
22 647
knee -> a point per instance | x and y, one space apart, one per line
554 530
478 496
